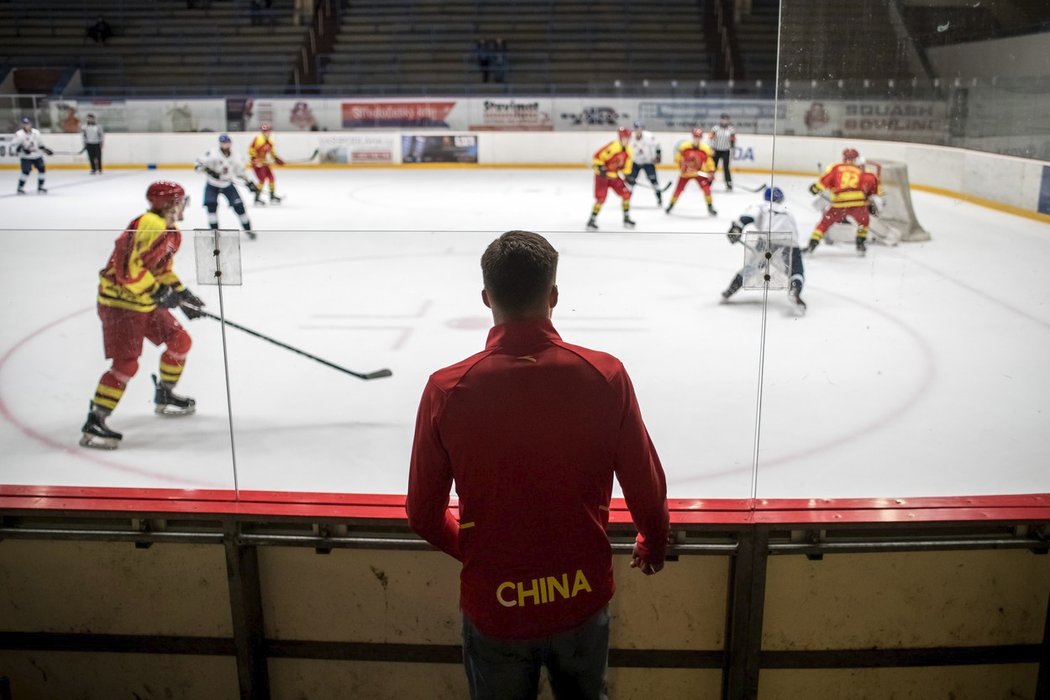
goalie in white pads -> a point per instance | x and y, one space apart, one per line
770 217
221 165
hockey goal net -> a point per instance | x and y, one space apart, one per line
897 221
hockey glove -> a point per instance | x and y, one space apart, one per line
252 187
278 161
47 150
734 233
190 304
165 296
599 171
815 188
875 205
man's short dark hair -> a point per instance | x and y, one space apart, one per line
518 269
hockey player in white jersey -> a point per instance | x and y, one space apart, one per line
26 144
221 165
771 216
647 154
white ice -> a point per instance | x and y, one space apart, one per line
919 370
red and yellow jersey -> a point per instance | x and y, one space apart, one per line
848 184
261 151
614 157
694 159
140 263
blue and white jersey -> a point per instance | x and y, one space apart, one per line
644 148
770 217
27 144
227 167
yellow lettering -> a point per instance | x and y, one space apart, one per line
499 595
561 587
580 584
532 592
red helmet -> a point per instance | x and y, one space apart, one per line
623 132
163 193
698 133
850 154
265 126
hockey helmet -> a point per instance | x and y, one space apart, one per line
225 139
266 126
639 125
773 194
850 154
26 121
698 133
163 193
623 132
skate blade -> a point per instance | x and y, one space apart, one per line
98 443
167 410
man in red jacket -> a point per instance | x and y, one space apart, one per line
532 430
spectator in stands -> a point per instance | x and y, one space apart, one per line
532 431
483 54
499 61
100 31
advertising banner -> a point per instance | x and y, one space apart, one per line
445 148
1044 191
511 115
358 148
427 114
596 114
925 122
747 116
7 154
283 114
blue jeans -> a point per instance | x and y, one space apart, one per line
509 669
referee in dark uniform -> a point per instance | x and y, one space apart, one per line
723 138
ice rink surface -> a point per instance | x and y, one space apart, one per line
919 370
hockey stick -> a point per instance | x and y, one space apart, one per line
754 189
68 153
313 155
378 374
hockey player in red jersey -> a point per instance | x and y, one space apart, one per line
853 193
695 161
137 290
262 155
611 164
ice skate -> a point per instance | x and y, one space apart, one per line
250 234
41 190
274 199
862 248
258 200
729 187
168 403
669 207
797 305
628 222
592 225
813 243
725 296
97 435
20 191
711 210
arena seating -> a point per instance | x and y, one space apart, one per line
570 46
158 47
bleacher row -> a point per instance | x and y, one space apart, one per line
160 46
571 43
428 46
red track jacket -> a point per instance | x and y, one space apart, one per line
531 430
